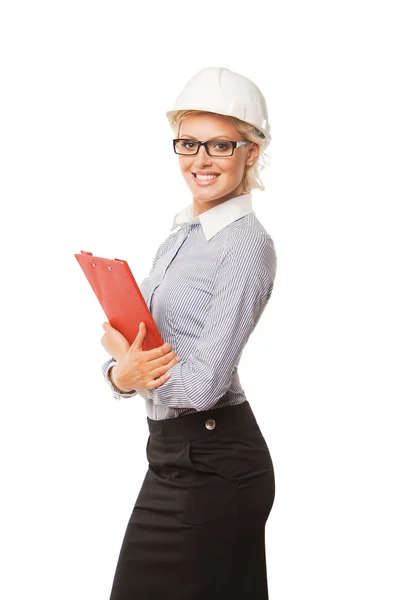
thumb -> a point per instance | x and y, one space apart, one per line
139 339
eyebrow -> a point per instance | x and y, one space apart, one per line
217 137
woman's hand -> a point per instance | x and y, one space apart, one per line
114 342
138 369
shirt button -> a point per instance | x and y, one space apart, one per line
210 423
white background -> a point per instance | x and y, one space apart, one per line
87 163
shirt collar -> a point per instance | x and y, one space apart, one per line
215 219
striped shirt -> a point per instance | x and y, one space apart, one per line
207 289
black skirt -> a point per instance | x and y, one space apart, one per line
197 530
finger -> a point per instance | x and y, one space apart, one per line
155 383
171 359
159 364
108 328
138 341
158 352
162 369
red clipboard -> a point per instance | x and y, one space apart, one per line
120 297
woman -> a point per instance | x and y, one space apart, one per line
197 530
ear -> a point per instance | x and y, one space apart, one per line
253 153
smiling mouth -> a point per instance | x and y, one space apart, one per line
205 177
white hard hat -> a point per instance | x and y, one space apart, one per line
220 90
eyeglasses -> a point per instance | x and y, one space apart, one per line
213 147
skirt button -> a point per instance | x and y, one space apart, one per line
210 423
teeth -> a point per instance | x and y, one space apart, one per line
206 176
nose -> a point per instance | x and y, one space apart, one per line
202 157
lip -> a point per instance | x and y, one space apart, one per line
206 182
206 173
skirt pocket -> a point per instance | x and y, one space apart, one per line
207 495
235 456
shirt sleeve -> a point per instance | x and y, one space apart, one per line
244 284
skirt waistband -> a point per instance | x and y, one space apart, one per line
228 419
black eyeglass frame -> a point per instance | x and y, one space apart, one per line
234 146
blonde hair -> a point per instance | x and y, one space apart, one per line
251 179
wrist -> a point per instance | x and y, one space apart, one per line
116 378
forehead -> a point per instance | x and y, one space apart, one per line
206 125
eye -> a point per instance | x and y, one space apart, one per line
187 144
221 147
